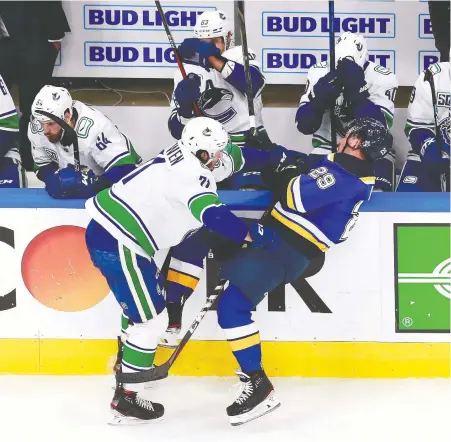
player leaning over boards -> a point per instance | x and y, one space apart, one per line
358 88
317 209
428 131
106 154
216 80
11 173
153 209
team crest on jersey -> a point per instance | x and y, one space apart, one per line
51 154
213 95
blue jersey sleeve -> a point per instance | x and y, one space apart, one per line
308 118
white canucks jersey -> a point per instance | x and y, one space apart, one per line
382 86
420 113
101 144
9 120
156 206
222 101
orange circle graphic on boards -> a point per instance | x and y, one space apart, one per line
57 270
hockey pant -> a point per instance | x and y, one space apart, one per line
252 273
415 177
12 175
138 288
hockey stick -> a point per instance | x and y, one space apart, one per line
161 371
247 71
429 77
73 139
333 127
174 49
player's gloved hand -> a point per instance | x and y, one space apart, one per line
263 236
186 93
68 183
355 88
436 160
192 46
326 91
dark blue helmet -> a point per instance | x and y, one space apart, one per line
377 141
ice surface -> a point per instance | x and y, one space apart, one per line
75 409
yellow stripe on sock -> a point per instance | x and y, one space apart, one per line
249 341
182 279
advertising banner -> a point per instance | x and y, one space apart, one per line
127 39
290 37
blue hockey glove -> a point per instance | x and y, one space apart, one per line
325 92
186 93
352 78
263 236
192 46
68 183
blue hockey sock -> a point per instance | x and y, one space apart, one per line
234 317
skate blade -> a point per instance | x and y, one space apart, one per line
267 406
118 419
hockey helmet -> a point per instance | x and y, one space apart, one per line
212 24
351 45
376 139
205 138
52 99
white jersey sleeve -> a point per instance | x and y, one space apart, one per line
314 73
9 120
382 87
231 162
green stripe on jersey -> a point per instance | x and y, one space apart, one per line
125 219
11 122
409 127
388 118
133 158
202 202
236 154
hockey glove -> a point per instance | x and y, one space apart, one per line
192 46
355 88
68 183
325 92
186 93
264 237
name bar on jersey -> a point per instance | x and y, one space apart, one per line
426 58
141 18
136 54
316 24
425 27
299 61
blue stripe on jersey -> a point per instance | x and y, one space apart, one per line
8 114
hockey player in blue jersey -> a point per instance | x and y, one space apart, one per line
358 88
317 209
428 163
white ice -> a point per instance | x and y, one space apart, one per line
75 409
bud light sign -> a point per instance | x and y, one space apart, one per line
316 24
426 58
136 54
424 27
299 61
141 18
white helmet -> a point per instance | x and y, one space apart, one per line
352 45
52 99
202 135
212 24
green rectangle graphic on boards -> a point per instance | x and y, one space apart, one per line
422 278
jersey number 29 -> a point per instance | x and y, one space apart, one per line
323 178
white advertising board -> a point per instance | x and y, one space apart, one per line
355 288
291 36
126 39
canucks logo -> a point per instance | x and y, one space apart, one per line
206 132
213 96
55 96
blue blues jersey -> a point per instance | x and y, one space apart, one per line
319 209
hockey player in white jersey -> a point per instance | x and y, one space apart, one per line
428 163
106 154
11 173
358 89
216 80
147 212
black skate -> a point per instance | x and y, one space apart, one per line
170 336
256 398
129 408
